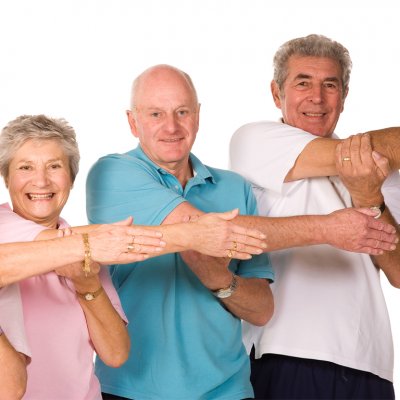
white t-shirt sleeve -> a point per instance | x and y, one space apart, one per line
264 152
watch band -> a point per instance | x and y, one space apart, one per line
89 296
379 210
226 292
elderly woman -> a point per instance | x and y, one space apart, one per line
71 312
68 317
21 260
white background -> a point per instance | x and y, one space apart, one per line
76 59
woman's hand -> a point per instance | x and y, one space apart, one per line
121 242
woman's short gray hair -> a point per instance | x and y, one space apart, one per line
37 127
312 46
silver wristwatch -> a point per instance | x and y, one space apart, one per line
379 209
226 292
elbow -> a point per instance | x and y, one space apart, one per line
117 355
116 360
264 317
395 282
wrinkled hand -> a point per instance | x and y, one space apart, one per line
109 243
219 237
362 170
357 230
213 272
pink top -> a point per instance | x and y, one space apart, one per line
62 353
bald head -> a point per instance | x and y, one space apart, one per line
157 76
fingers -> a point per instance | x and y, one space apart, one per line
379 245
381 240
241 249
246 244
344 152
378 226
145 240
244 235
355 149
371 251
365 148
142 249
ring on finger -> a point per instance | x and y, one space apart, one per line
234 248
229 254
130 247
346 159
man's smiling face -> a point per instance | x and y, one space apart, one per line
312 96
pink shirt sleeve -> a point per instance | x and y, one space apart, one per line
14 228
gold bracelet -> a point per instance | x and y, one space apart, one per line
87 260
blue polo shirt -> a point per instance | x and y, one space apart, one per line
185 344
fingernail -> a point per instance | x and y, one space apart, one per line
158 249
264 245
393 247
263 236
162 243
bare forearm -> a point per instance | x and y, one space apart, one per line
22 260
252 301
285 232
106 328
347 229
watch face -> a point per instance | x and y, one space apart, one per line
89 296
224 294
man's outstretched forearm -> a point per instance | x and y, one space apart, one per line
348 229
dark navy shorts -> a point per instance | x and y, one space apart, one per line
275 376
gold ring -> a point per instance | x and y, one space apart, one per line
234 246
230 254
346 159
130 247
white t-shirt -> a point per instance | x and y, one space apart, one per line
329 303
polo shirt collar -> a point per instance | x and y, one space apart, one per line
201 172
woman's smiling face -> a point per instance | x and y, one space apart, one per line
39 181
